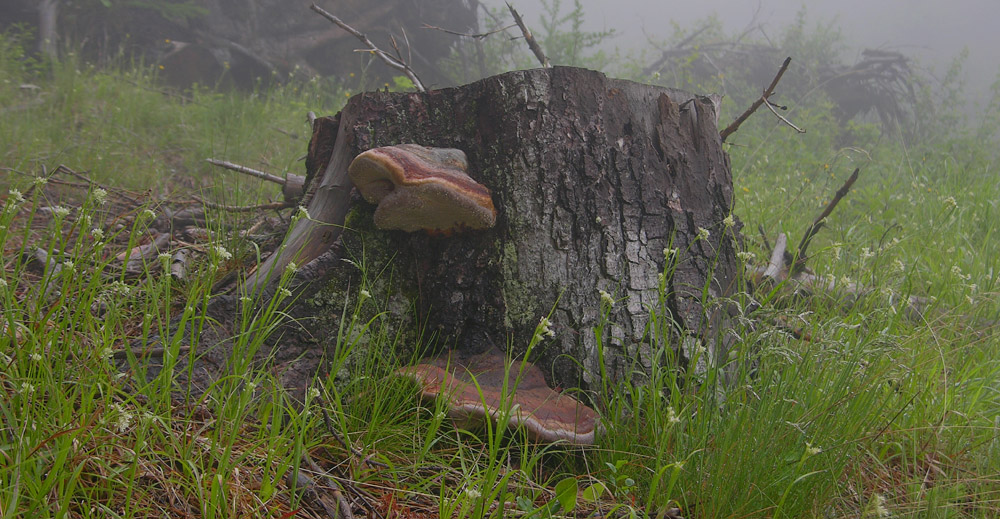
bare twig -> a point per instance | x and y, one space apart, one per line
389 60
756 104
770 106
244 208
532 43
821 219
247 171
479 36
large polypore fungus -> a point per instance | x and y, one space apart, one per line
422 188
546 415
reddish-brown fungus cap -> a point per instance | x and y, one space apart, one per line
546 415
422 188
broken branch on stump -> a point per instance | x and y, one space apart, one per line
389 60
756 104
777 262
292 186
820 220
532 43
780 117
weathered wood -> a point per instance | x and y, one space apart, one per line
593 179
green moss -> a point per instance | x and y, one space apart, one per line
519 298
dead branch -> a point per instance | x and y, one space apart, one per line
532 43
770 106
245 208
387 59
776 265
479 36
756 104
292 186
821 219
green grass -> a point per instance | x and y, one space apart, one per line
878 414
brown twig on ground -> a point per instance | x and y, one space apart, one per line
292 186
821 219
389 60
245 208
756 104
532 43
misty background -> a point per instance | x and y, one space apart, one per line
931 31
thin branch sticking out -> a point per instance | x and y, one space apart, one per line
756 104
389 60
821 219
532 43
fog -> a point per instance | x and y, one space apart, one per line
932 31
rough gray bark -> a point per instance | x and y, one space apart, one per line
593 178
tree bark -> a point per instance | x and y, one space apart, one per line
593 179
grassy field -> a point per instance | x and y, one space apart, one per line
882 413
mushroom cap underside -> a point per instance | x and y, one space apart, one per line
546 415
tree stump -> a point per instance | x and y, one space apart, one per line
595 181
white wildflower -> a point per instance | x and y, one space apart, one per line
544 328
291 268
364 294
899 265
745 256
123 420
27 388
597 220
314 392
35 357
40 181
222 253
878 508
812 451
106 353
835 247
606 299
950 202
285 292
302 213
866 253
3 283
15 196
729 221
147 214
246 300
672 417
472 493
69 266
703 233
100 196
669 253
163 257
956 271
60 211
97 233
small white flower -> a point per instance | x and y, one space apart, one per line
703 233
669 253
97 233
117 287
246 300
866 253
147 214
285 292
291 268
745 256
729 221
60 211
222 253
35 357
163 257
812 451
314 392
40 181
878 506
845 281
106 353
472 493
3 283
950 202
900 266
597 220
973 287
27 388
69 266
124 419
956 271
835 247
15 196
100 196
672 417
606 299
364 294
302 213
251 385
545 328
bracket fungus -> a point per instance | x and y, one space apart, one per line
475 390
422 188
